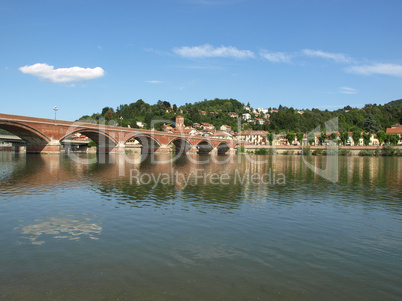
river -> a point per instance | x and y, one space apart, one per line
199 228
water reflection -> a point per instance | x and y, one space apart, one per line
61 226
192 177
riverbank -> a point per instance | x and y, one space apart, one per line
386 150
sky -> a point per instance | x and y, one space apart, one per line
83 55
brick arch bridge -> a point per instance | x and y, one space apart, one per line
45 136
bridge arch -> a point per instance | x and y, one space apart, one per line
181 144
104 141
204 147
149 144
35 139
222 148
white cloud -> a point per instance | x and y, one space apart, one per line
62 75
347 90
337 57
208 50
276 57
384 69
153 81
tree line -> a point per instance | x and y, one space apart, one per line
370 119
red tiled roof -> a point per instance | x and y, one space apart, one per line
395 130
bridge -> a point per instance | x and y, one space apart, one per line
47 136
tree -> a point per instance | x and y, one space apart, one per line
366 138
370 124
392 139
333 136
290 136
381 136
344 136
105 109
299 137
270 138
109 114
323 136
356 135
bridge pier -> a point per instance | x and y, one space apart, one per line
164 148
193 150
53 147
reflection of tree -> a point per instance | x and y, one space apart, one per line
71 227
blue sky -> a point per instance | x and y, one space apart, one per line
83 55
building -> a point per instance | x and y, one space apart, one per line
233 115
222 135
179 121
258 121
262 111
207 126
226 128
253 137
395 129
246 116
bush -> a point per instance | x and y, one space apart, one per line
344 152
288 152
318 152
366 152
91 143
241 149
305 151
389 150
261 151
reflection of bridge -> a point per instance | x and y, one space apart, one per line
46 135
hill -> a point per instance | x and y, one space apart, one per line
370 118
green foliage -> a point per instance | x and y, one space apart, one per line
299 136
261 151
241 149
367 152
356 135
4 132
91 143
323 136
290 136
381 136
343 152
371 125
392 139
333 136
288 152
389 150
305 150
372 118
344 136
366 138
318 152
270 138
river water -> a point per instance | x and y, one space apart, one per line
199 228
